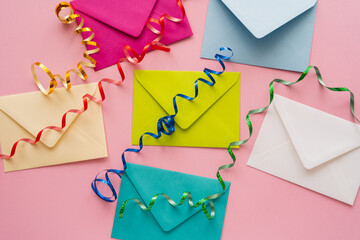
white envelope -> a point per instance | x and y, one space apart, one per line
310 148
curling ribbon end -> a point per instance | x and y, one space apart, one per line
80 72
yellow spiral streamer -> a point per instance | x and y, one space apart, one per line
80 72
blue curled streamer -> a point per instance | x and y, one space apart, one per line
165 125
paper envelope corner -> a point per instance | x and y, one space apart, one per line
272 50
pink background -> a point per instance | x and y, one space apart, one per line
58 203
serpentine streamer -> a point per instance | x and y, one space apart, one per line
166 125
155 44
80 72
130 54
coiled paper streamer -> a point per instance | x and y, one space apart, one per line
130 53
68 19
155 44
166 125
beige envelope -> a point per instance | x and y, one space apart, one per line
24 115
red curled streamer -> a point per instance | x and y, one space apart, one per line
155 44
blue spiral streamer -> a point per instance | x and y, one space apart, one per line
165 125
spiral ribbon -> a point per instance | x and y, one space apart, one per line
166 125
155 44
128 51
68 19
271 94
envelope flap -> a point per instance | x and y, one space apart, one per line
317 136
262 17
164 85
149 181
33 111
128 16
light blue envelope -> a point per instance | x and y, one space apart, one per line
166 222
275 34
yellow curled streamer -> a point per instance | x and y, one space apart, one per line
80 72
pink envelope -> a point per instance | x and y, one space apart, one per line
120 22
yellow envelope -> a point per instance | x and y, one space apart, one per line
24 115
210 120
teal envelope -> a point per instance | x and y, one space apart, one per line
165 221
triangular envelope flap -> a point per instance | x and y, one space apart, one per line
128 16
149 181
317 136
262 17
164 85
34 111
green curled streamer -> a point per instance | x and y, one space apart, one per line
203 201
271 91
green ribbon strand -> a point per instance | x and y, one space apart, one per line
185 195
